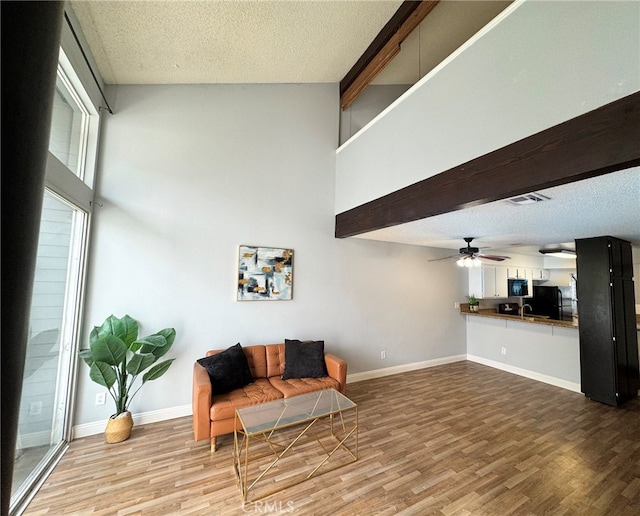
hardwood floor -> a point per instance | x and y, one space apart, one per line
457 439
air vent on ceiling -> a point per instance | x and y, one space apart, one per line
529 198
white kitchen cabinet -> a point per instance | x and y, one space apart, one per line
477 281
517 273
501 283
539 274
488 282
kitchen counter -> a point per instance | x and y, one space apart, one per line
492 313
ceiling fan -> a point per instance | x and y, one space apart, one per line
471 256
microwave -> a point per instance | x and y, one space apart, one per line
518 287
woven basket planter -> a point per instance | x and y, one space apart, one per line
119 428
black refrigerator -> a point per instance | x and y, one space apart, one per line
549 301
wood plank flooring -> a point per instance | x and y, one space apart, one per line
458 439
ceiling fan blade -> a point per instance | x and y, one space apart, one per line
472 252
444 258
496 258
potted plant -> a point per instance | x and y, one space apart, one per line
117 357
473 303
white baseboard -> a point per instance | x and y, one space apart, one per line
98 427
154 416
551 380
143 418
387 371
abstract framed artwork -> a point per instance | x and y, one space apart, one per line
265 273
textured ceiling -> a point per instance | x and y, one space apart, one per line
259 41
303 41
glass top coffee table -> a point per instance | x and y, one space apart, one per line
266 436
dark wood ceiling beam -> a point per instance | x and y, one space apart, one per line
599 142
383 49
392 26
375 66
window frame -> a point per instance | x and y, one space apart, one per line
76 190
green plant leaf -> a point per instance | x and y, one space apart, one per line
130 327
85 354
106 328
103 374
159 349
150 343
126 329
110 350
157 371
139 362
169 334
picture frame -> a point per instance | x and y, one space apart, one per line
264 273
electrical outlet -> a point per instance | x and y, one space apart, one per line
456 305
503 351
383 355
35 408
101 398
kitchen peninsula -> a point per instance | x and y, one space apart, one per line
528 318
541 349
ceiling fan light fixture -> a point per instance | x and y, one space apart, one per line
558 252
468 261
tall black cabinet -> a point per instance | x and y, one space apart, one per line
607 324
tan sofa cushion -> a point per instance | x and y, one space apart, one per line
260 391
295 386
275 359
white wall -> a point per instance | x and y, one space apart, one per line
536 65
447 27
373 99
546 353
187 174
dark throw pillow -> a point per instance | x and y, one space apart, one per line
304 359
227 370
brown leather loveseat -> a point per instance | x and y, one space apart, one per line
214 414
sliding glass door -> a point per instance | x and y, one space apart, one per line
52 333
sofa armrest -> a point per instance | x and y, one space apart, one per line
201 403
337 369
